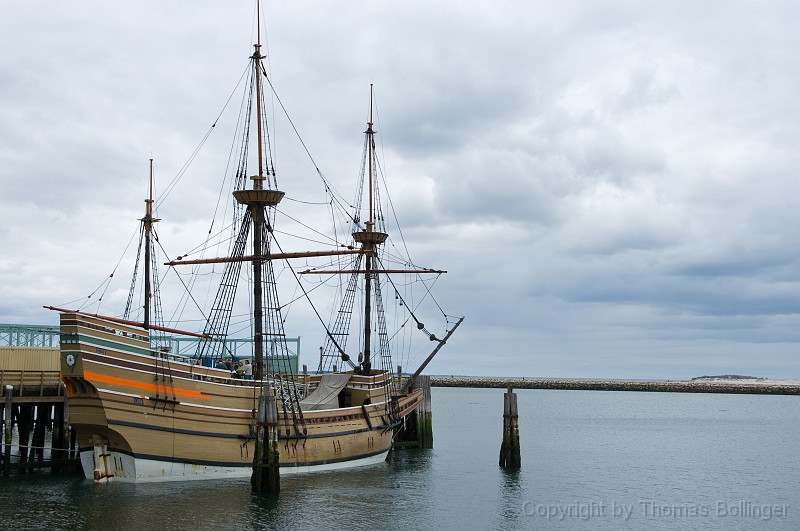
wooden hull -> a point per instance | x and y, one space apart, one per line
143 416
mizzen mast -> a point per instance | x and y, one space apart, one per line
369 267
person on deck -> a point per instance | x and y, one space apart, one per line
247 370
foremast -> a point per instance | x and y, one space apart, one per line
147 226
150 285
152 316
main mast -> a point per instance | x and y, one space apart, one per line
369 240
256 211
257 200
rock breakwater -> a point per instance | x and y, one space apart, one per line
766 387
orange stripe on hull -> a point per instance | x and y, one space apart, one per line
113 380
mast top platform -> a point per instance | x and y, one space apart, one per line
368 236
258 197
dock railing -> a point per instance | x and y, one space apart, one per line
33 371
32 383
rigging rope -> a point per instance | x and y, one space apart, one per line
171 185
107 281
308 298
330 189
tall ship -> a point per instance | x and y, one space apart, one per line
145 411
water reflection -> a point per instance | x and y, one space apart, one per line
578 448
512 495
355 499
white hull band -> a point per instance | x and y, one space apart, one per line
110 465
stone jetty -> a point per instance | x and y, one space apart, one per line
746 386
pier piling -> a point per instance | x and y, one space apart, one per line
424 412
59 447
417 430
8 424
40 425
509 449
266 462
24 426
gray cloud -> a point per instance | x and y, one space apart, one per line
612 187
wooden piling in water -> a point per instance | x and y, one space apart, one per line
417 429
58 446
40 424
424 412
8 423
509 449
24 426
266 461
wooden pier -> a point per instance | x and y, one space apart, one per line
34 403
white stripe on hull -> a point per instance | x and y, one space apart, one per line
352 463
109 465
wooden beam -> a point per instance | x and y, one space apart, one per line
131 323
362 271
274 256
425 363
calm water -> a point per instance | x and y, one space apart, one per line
590 460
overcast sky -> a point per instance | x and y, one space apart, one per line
612 185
